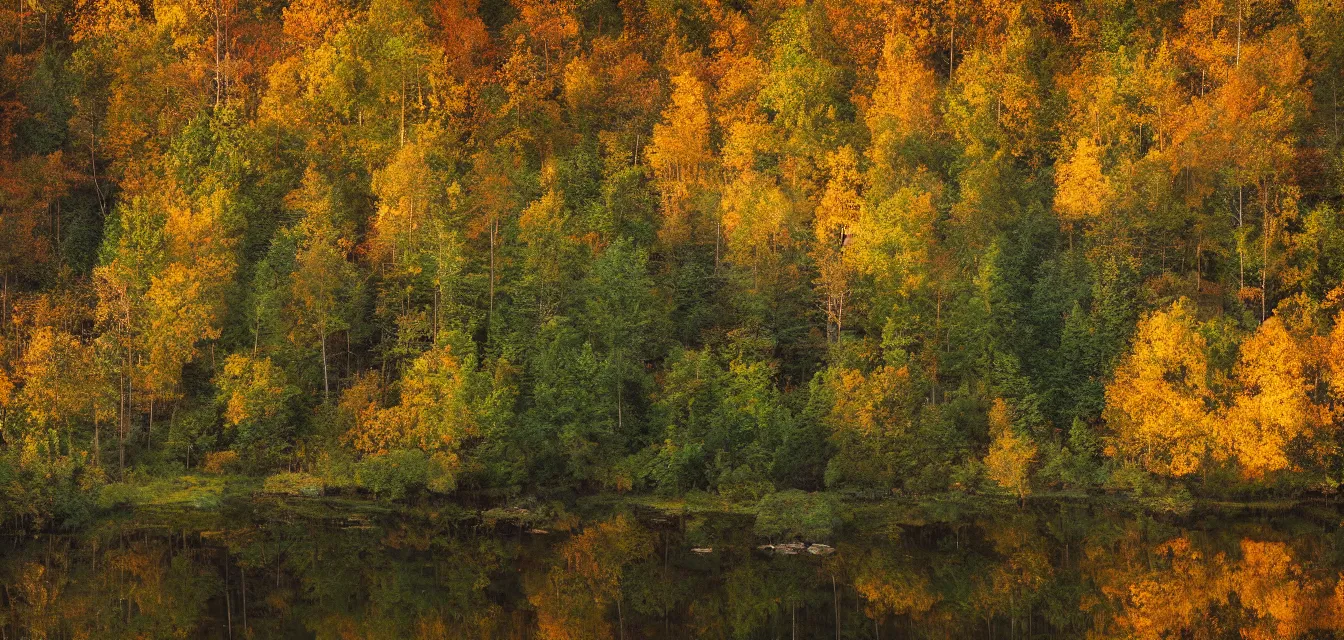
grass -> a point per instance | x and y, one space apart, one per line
186 491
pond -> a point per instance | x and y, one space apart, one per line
1053 569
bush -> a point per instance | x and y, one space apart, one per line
797 514
1150 492
293 484
744 485
221 462
440 476
969 476
41 488
336 469
392 475
117 494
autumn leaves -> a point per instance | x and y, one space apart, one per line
1176 413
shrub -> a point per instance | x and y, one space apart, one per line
117 494
336 469
41 487
440 476
393 474
744 484
797 514
221 462
294 484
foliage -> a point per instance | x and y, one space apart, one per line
558 247
220 462
1010 455
293 484
797 515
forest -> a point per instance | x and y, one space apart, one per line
744 248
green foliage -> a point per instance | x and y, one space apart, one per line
40 487
395 474
797 515
294 484
571 247
256 399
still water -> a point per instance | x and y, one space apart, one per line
1051 570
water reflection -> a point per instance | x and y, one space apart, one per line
1065 570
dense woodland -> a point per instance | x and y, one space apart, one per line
882 247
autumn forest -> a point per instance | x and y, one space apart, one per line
742 248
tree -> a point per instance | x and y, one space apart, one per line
63 383
836 219
550 256
720 423
1272 407
444 400
1083 190
1334 358
622 316
1158 402
322 273
902 117
680 155
758 220
804 90
257 401
1010 455
571 417
873 418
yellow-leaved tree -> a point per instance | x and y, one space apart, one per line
1158 402
1082 187
322 269
256 396
1334 359
902 116
680 154
435 414
1272 406
1010 455
833 222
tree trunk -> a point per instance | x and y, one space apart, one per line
1264 252
326 386
836 592
228 596
491 317
124 408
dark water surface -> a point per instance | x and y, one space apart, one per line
1052 570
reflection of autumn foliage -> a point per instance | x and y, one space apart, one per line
1189 589
1018 577
892 586
1077 573
572 599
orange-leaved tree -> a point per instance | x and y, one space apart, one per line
1158 403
